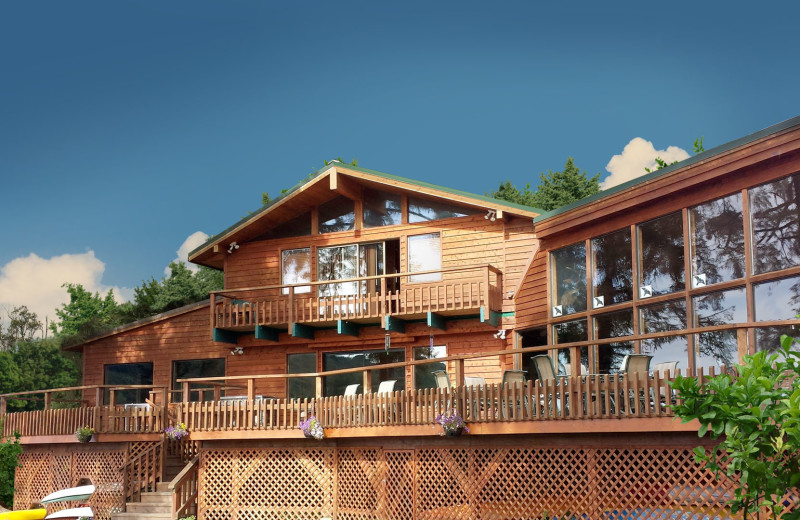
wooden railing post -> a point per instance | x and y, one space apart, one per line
48 398
2 405
290 320
366 381
741 342
185 393
459 372
213 313
318 385
486 293
384 305
251 389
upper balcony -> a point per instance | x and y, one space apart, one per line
388 300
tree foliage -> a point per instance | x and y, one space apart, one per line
697 148
555 189
22 326
758 411
10 450
84 310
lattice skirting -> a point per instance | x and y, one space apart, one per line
437 483
45 469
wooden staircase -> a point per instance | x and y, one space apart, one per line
155 505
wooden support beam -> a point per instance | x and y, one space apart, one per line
392 324
344 186
347 328
491 317
302 331
437 321
226 336
268 333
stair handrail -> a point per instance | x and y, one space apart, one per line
184 490
144 470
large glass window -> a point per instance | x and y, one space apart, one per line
661 256
569 264
775 216
663 317
719 308
425 254
776 300
338 214
424 210
128 374
301 387
612 277
296 227
570 331
613 325
296 268
336 384
337 263
423 374
717 235
532 338
381 208
189 368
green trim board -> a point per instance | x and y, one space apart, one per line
437 321
492 318
302 331
225 336
718 150
347 328
268 333
393 324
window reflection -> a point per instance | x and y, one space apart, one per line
381 208
777 300
128 374
424 254
337 263
570 278
423 374
424 210
189 368
613 325
336 384
775 216
718 347
338 214
570 331
717 234
664 317
661 255
301 387
296 268
612 276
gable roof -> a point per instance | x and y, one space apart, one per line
314 190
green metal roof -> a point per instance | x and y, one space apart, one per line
484 198
789 123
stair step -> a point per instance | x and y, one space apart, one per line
157 497
149 507
143 516
163 487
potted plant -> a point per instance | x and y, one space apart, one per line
312 428
177 432
84 433
452 423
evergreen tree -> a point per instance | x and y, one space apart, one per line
555 188
85 312
22 326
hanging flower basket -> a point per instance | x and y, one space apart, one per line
312 428
452 423
177 432
84 433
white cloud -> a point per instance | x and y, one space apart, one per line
37 282
635 157
194 240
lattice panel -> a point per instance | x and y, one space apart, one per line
360 484
250 484
136 448
399 491
41 472
105 471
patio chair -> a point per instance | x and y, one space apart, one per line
546 373
386 387
351 389
474 381
665 369
443 383
514 378
633 366
568 369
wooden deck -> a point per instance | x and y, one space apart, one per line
472 290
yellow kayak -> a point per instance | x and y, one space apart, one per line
27 514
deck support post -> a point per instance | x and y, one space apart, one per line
48 398
226 336
302 331
459 372
318 385
366 382
251 389
490 316
392 324
185 393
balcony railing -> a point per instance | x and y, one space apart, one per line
461 290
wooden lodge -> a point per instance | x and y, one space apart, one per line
374 303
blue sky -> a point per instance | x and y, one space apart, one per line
127 126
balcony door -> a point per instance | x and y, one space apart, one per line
355 261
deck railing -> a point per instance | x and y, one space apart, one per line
460 289
143 472
184 490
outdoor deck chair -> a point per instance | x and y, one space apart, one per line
514 378
351 389
443 383
546 373
633 366
664 369
386 387
568 369
475 382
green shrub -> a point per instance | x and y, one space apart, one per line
758 411
10 451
